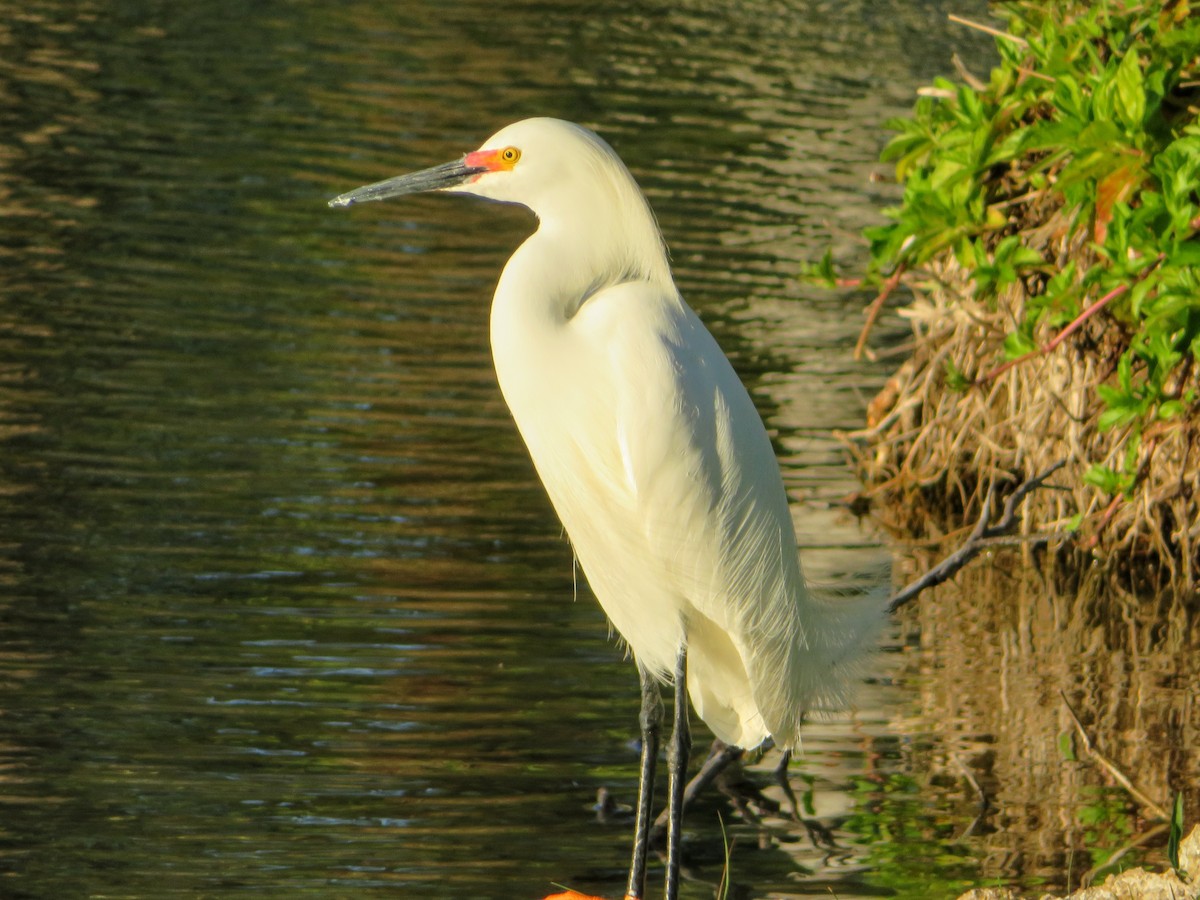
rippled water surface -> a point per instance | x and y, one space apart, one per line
284 610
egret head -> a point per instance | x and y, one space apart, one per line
569 177
543 163
540 163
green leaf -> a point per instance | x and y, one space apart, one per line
1107 480
1125 373
1130 100
1066 746
956 381
1171 409
1176 833
1116 417
1017 344
1026 258
821 273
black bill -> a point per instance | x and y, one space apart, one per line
435 179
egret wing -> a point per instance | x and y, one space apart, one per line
696 528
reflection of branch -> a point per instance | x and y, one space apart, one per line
973 781
984 805
982 535
719 758
1145 837
1110 766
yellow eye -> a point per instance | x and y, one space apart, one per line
510 155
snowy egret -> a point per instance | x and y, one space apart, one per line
653 455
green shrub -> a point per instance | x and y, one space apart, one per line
1075 171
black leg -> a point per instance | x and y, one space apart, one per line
651 721
681 744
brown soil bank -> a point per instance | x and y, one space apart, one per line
1048 235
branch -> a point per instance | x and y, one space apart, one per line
1073 326
1111 767
983 534
987 29
876 305
720 756
1060 337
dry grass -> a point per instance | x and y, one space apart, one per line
930 454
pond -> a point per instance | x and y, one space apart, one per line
283 608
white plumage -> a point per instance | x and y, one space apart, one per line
649 446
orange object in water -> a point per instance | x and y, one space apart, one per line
573 895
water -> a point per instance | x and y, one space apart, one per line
284 611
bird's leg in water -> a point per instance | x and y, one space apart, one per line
677 760
651 721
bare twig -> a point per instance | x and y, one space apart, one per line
876 305
987 29
1061 336
1106 517
965 74
1116 292
981 535
1110 766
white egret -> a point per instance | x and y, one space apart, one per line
653 455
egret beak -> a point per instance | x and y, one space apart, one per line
438 178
